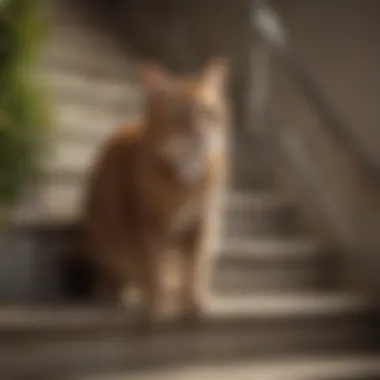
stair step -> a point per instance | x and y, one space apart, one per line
337 367
232 280
280 306
219 311
260 214
85 37
73 52
271 264
73 341
104 94
270 249
260 200
69 156
59 200
86 127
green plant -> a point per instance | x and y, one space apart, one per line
23 111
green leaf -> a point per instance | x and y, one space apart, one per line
24 109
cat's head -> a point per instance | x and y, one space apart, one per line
186 116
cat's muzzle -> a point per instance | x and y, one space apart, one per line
188 155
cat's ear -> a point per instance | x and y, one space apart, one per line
153 78
214 75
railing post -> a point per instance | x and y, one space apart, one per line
257 100
258 95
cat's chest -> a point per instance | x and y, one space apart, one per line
170 206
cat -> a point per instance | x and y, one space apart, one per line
157 187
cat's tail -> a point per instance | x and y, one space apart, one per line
78 273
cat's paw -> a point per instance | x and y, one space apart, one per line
131 297
154 317
146 322
193 311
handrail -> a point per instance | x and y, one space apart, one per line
267 24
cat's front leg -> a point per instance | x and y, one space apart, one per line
199 249
150 277
197 260
193 259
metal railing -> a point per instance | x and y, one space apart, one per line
272 36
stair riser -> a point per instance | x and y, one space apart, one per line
250 222
112 351
88 62
234 280
89 99
236 274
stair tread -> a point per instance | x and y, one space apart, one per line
293 368
265 199
284 305
272 248
256 307
82 61
90 92
84 41
76 121
84 36
69 81
60 200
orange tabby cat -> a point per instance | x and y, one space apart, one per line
157 187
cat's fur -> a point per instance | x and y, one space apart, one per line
157 188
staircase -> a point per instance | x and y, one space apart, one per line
278 310
272 315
